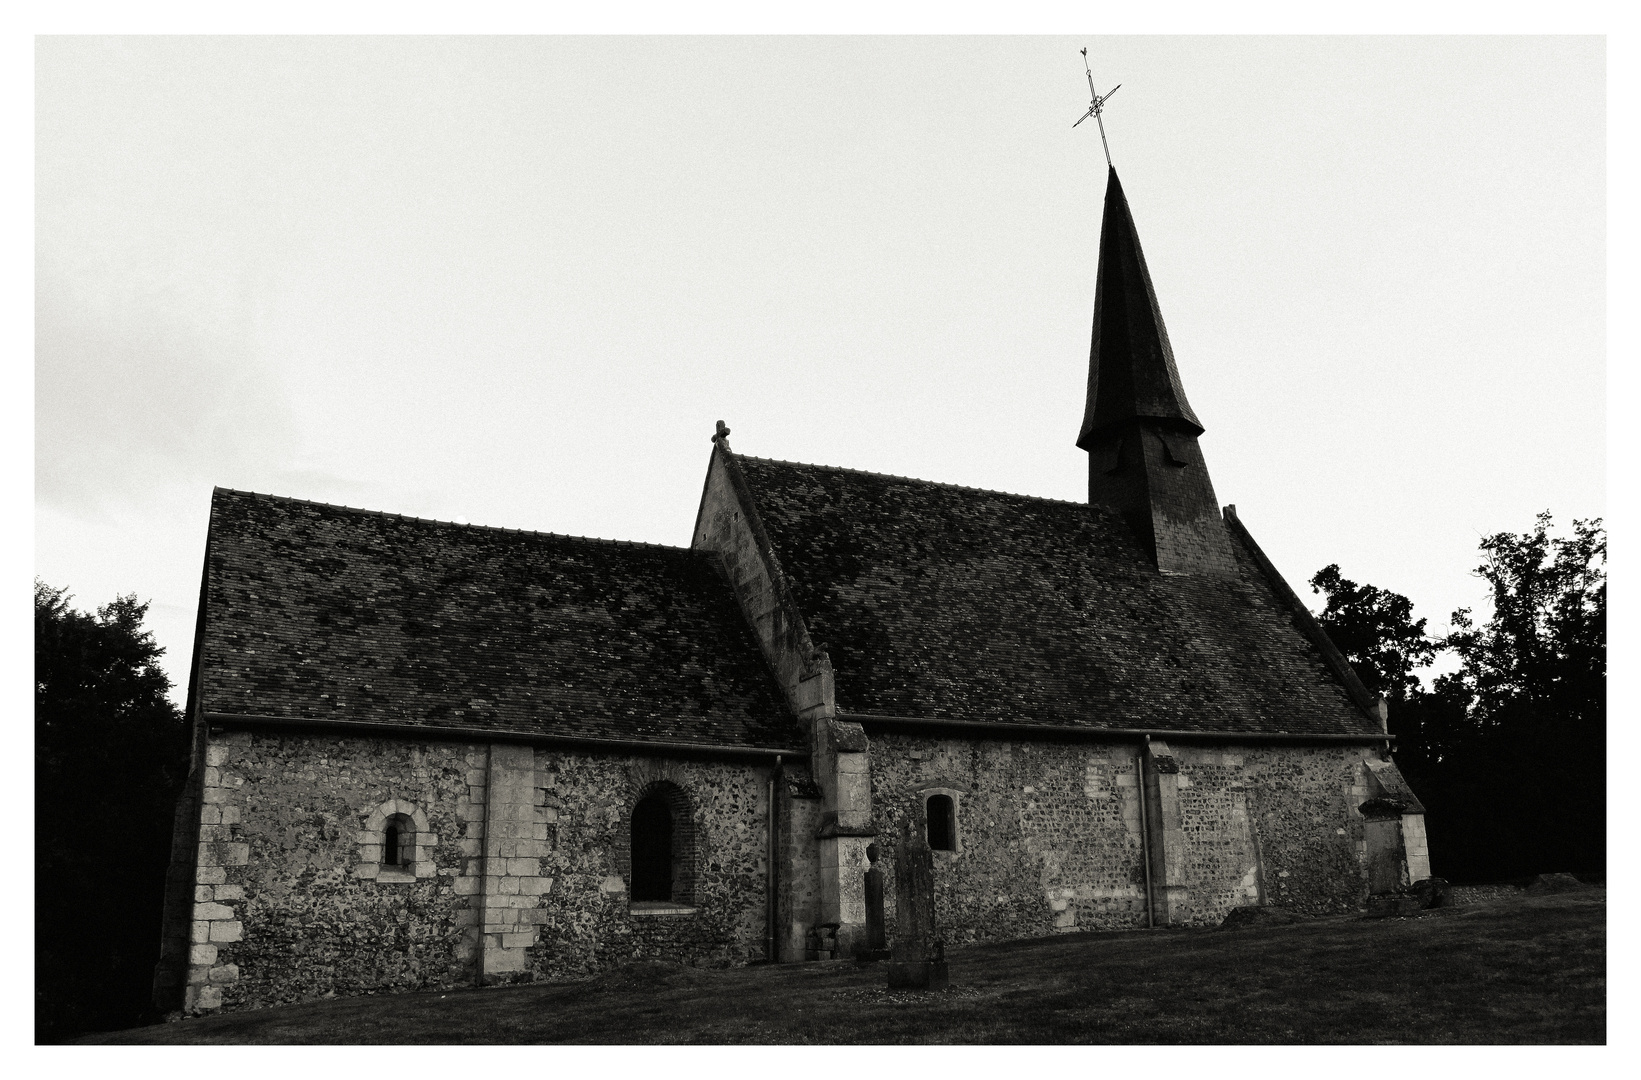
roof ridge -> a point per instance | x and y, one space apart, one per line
915 480
441 521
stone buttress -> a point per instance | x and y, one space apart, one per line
839 761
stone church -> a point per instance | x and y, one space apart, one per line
430 755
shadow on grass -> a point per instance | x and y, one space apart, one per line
1527 971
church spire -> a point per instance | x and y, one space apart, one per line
1131 369
1138 429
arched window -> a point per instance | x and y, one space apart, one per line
652 849
399 842
942 823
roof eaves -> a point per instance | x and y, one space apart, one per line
456 733
1092 731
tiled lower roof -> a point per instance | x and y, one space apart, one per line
325 612
942 602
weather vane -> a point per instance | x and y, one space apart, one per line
1096 106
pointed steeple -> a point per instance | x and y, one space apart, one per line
1138 429
1131 371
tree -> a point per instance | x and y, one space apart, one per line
1536 673
110 755
1375 630
1539 663
1508 753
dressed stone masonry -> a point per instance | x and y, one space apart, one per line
371 841
430 755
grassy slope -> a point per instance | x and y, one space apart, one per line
1528 971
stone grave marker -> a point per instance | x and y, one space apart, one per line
918 959
877 943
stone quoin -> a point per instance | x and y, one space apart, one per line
430 755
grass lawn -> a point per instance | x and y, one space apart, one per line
1524 971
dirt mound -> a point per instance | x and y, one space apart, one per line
1244 917
1555 883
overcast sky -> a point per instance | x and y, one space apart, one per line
514 281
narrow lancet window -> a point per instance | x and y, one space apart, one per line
397 840
942 823
652 862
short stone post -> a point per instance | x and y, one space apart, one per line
918 960
877 944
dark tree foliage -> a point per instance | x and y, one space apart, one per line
110 755
1375 630
1526 792
1540 660
1508 754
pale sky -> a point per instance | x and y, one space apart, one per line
514 281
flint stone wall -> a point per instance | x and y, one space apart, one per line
585 921
1049 833
287 910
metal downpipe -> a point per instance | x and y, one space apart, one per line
1145 832
772 899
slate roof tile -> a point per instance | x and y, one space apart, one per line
938 601
318 611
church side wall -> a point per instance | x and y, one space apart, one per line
281 913
290 907
588 923
1049 834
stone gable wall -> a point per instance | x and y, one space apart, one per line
1050 833
726 525
288 909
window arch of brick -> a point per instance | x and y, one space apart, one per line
657 845
411 835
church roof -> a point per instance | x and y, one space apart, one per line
324 612
1131 372
942 602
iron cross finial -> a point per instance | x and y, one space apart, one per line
1097 105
